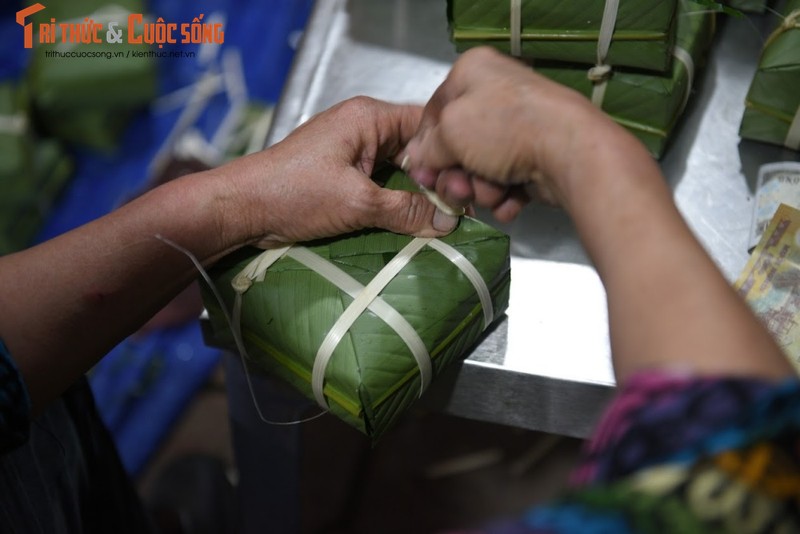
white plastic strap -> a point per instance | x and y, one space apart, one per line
235 330
607 26
256 269
13 124
793 135
684 57
434 199
354 311
600 73
378 306
472 275
516 28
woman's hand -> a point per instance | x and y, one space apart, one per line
669 307
495 118
316 182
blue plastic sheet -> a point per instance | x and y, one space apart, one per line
145 383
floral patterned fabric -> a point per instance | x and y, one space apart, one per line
683 454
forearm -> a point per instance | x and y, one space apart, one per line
669 306
70 300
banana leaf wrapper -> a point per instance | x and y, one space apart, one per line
89 100
648 105
372 378
16 162
773 99
32 172
16 140
752 6
568 31
28 198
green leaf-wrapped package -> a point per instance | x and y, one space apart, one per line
753 6
568 31
32 172
772 107
16 140
371 378
646 104
87 98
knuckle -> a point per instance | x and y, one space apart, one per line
480 55
358 106
449 116
401 211
365 201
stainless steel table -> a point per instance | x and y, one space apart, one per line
547 365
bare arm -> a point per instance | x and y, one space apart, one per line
68 301
669 307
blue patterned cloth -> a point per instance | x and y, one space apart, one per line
15 405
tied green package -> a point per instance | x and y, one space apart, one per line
567 31
752 6
772 106
427 316
32 172
86 93
16 140
649 105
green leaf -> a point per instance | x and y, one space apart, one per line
720 8
372 377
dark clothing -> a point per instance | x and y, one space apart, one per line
67 476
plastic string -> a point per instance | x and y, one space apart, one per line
790 22
472 275
368 296
378 306
256 270
237 337
516 28
684 57
600 73
440 204
432 197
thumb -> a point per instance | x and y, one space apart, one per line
406 212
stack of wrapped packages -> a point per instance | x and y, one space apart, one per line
362 323
636 60
33 170
64 101
89 100
772 107
752 6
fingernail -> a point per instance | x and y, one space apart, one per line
443 222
